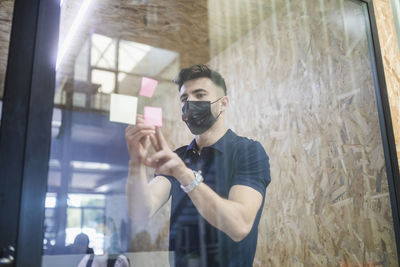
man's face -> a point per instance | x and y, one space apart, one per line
200 89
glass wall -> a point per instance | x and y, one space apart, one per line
300 89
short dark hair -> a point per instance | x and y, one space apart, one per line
198 71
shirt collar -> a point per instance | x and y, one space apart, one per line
192 146
220 145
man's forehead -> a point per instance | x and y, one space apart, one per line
199 83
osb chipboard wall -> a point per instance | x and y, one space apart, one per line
229 21
301 83
391 62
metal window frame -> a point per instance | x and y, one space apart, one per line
25 132
386 127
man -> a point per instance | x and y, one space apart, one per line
217 182
80 245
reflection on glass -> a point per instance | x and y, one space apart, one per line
106 79
76 16
103 52
79 99
131 54
85 213
140 59
396 16
1 108
299 81
6 14
96 67
128 84
84 186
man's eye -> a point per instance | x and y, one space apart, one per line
200 95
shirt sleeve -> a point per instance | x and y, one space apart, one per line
253 168
175 185
171 179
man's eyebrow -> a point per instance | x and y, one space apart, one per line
199 90
195 91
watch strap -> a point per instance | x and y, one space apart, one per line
198 179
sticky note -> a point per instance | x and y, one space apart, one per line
148 87
123 108
153 116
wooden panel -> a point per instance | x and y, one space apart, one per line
301 84
391 62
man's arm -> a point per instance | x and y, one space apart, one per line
234 216
143 198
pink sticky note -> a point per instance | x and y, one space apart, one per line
153 116
148 87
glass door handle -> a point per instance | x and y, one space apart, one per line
7 256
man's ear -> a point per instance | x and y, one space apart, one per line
224 103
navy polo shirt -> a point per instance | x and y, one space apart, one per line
232 160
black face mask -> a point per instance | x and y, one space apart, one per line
198 116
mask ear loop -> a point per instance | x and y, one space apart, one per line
218 115
217 101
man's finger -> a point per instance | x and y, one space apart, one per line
141 132
137 128
139 118
160 138
147 142
129 128
155 164
154 142
140 127
166 167
151 164
139 135
158 156
139 121
134 128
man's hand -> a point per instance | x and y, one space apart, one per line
138 140
167 162
143 198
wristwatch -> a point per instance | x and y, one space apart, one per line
198 178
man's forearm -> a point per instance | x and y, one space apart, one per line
137 195
228 216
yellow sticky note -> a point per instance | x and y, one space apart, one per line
123 108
